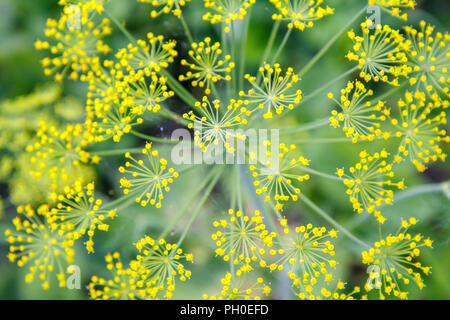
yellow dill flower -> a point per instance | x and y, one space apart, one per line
429 59
149 179
275 177
275 93
236 287
368 182
209 66
306 253
300 13
159 266
150 56
380 54
213 123
59 154
78 213
166 6
242 238
75 50
394 6
396 256
321 292
39 244
418 126
361 119
96 5
226 11
124 284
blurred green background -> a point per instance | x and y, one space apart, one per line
22 22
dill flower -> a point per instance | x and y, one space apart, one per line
149 178
79 213
275 177
59 154
418 127
300 14
75 50
380 54
429 59
370 184
242 238
150 56
361 119
394 6
235 287
213 123
158 264
396 256
209 65
226 11
124 284
39 244
307 254
166 6
275 93
324 293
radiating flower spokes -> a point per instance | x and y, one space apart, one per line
395 6
149 179
300 14
275 94
329 291
166 7
226 11
396 256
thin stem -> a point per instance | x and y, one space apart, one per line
234 56
181 91
389 92
320 174
281 47
154 139
121 27
115 152
186 29
269 46
244 49
117 202
166 113
199 206
327 46
333 222
306 127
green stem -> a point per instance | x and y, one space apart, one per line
116 152
389 93
269 46
281 47
181 91
166 113
327 46
154 139
186 29
244 50
199 206
320 174
117 202
121 27
234 56
306 127
333 222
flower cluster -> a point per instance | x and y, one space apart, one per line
226 11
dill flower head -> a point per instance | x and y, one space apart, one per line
300 13
380 54
237 287
396 256
159 265
79 213
275 93
307 254
124 284
213 122
209 65
429 59
150 56
149 178
275 177
226 11
394 6
41 245
96 5
75 50
166 6
242 238
361 119
59 154
370 184
418 126
323 292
